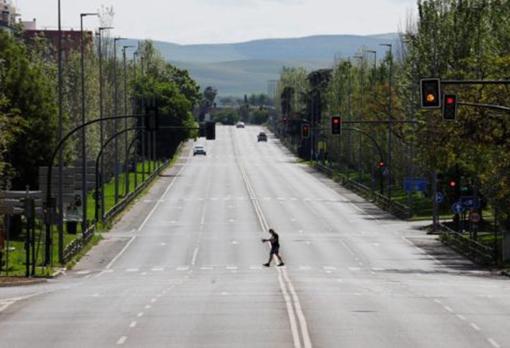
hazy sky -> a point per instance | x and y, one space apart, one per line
214 21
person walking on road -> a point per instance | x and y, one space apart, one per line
275 248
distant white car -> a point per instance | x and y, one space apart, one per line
199 150
240 124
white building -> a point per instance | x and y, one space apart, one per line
7 14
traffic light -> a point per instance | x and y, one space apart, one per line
210 130
336 125
305 131
449 107
452 183
430 90
380 165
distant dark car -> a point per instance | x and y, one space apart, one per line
262 136
199 150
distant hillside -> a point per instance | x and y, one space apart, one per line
239 68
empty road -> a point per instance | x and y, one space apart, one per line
183 268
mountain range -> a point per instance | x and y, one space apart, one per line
245 68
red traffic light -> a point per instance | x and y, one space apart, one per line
380 164
336 125
452 183
449 106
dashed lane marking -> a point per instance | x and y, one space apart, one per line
493 343
133 324
122 340
474 326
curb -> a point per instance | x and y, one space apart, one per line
22 282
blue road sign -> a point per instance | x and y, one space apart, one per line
439 197
457 208
415 184
470 202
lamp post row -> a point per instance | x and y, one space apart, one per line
83 120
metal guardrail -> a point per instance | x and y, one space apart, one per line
399 210
477 252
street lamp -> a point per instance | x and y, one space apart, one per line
124 48
375 60
115 123
374 92
360 164
390 118
60 135
101 112
135 54
83 120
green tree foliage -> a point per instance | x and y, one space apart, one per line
175 93
451 39
28 101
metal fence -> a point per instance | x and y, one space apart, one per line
475 251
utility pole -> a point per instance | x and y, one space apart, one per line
101 116
126 138
143 120
60 135
83 120
115 122
390 120
360 162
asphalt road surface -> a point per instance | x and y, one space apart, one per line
183 268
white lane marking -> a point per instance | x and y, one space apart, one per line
194 258
255 267
437 301
290 311
143 273
224 293
349 249
133 324
301 316
493 343
131 270
139 315
161 198
154 300
122 340
235 242
461 317
448 309
120 253
83 272
182 268
377 269
474 326
230 268
298 311
148 217
206 268
354 269
158 269
148 307
163 244
330 268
